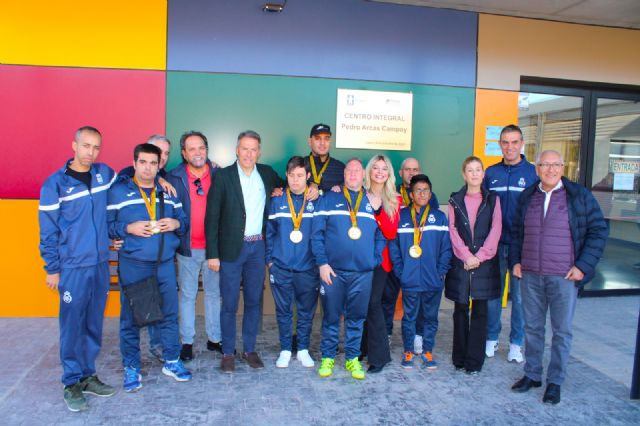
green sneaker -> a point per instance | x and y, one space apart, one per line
355 367
74 398
94 386
326 368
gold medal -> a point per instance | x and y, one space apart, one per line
295 236
354 233
415 251
150 204
317 177
154 226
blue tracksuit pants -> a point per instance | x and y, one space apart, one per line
83 296
349 296
288 287
130 272
412 302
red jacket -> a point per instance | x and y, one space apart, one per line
389 228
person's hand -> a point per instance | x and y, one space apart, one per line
168 224
517 270
277 192
312 192
326 272
374 200
141 228
471 263
167 187
53 280
336 188
214 264
116 243
574 274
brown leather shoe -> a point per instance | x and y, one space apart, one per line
253 359
228 364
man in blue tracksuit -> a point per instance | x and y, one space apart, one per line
74 244
420 255
293 272
136 214
508 179
347 244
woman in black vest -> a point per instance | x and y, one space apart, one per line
475 225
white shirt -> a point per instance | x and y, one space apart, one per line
254 198
547 195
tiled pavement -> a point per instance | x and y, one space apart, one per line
595 393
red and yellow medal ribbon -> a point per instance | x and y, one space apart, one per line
317 177
353 211
296 218
417 229
405 196
150 204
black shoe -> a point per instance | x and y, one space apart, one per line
294 343
524 384
373 369
552 394
214 346
186 353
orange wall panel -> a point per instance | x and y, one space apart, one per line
23 278
493 108
509 48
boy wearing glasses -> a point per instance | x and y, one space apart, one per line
192 180
420 255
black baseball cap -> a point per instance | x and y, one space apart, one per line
320 128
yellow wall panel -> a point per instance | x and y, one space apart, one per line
493 108
97 33
512 47
25 293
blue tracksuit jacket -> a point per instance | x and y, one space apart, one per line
126 205
330 243
425 273
73 225
509 182
279 248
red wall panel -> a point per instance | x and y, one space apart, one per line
41 107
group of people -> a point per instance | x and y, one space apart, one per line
342 232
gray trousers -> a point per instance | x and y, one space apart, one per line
539 294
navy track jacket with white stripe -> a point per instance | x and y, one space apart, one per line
425 273
331 244
279 248
73 220
126 206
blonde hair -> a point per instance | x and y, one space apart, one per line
389 195
471 159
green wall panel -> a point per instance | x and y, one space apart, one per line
283 109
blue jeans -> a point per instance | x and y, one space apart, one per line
494 324
83 295
189 269
248 268
131 271
347 296
541 293
299 288
412 301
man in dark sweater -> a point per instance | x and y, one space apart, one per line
558 236
326 172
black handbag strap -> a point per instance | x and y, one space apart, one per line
161 195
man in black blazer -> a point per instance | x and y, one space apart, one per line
237 209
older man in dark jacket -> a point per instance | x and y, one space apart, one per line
558 237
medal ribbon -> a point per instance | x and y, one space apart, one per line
417 230
296 218
150 204
317 177
405 197
353 211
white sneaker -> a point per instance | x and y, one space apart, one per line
305 359
490 348
283 359
515 354
417 344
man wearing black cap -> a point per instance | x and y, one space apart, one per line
326 172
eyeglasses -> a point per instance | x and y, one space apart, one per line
550 165
198 184
421 191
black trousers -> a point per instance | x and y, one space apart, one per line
375 343
469 337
